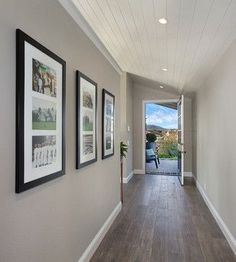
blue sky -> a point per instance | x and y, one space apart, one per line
161 116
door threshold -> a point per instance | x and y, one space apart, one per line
161 174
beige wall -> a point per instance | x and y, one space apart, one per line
123 106
129 112
214 138
56 221
126 120
142 93
188 134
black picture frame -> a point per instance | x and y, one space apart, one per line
105 117
24 86
82 160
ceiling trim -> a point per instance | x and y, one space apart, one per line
70 7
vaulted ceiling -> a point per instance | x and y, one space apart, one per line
195 37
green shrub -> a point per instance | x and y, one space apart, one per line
151 137
167 156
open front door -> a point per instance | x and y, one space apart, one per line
181 151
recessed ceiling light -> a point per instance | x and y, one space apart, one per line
164 69
161 86
163 21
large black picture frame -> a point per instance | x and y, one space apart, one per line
108 121
49 138
84 158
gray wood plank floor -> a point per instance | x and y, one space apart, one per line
162 221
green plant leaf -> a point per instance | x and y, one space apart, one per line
123 149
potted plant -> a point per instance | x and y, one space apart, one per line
151 141
123 153
123 150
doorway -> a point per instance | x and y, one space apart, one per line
161 138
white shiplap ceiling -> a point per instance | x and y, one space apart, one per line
197 34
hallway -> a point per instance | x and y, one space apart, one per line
162 221
93 92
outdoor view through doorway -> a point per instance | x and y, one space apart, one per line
161 129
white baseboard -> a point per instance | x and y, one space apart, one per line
188 174
230 238
139 171
127 179
90 250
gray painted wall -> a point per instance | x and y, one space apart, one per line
188 133
55 221
141 93
129 112
126 120
214 144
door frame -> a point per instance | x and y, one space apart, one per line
159 101
182 142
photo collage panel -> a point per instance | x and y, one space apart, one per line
44 115
88 119
108 123
40 118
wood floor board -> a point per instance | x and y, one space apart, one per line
163 221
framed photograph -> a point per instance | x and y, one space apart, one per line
86 120
108 109
40 113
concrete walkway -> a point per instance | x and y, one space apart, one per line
166 166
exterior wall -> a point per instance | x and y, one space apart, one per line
214 144
57 220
